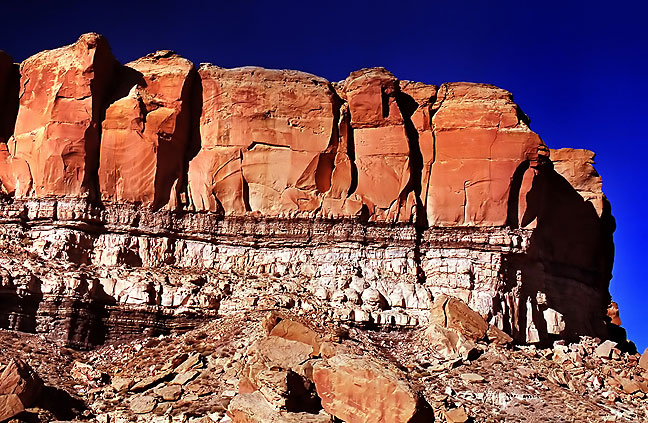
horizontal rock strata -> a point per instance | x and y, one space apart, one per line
150 194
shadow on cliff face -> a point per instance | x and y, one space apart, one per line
194 143
568 265
123 79
174 175
407 106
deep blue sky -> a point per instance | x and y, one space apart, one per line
579 69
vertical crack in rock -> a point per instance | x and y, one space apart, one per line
146 133
194 143
512 215
407 106
104 66
169 176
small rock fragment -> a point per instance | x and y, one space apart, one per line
472 378
643 361
121 384
169 392
456 415
605 349
142 404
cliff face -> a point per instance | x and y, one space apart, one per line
150 194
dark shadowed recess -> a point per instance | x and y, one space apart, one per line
569 257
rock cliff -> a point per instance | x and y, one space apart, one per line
151 195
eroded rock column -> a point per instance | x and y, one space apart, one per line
481 138
146 132
57 129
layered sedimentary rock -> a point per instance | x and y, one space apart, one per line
176 193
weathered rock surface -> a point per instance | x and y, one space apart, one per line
57 129
19 388
266 139
146 133
566 382
253 408
357 389
481 139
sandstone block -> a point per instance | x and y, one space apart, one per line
57 127
357 389
253 408
643 361
145 134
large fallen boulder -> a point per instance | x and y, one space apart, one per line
280 369
357 389
19 388
455 327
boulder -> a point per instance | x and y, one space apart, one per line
643 361
452 313
449 344
86 374
19 388
281 370
604 350
360 390
455 327
142 404
295 331
254 408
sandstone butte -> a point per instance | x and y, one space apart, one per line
372 195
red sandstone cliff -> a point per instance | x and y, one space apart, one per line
268 142
373 194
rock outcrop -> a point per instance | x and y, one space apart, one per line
150 195
146 133
62 99
358 389
19 388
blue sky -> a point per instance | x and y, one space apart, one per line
579 69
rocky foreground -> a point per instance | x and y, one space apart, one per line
285 367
